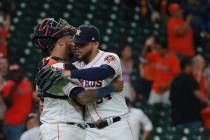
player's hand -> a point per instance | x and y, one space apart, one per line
48 76
118 84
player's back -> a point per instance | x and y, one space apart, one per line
110 106
57 110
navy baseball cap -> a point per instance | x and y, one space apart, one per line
86 33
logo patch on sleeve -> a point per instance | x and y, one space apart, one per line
109 58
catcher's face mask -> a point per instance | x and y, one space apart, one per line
49 31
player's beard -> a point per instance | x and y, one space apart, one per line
85 56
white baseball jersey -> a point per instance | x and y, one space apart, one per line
113 105
58 110
136 119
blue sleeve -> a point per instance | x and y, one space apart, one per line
93 74
100 92
105 91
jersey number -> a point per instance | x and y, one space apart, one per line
108 97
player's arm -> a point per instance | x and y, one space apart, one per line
100 73
110 67
92 95
147 124
84 97
48 76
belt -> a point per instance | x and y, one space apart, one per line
64 97
81 125
100 124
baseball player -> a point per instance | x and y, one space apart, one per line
98 69
113 108
61 116
138 119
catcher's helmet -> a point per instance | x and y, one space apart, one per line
49 31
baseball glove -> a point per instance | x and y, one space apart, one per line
48 76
